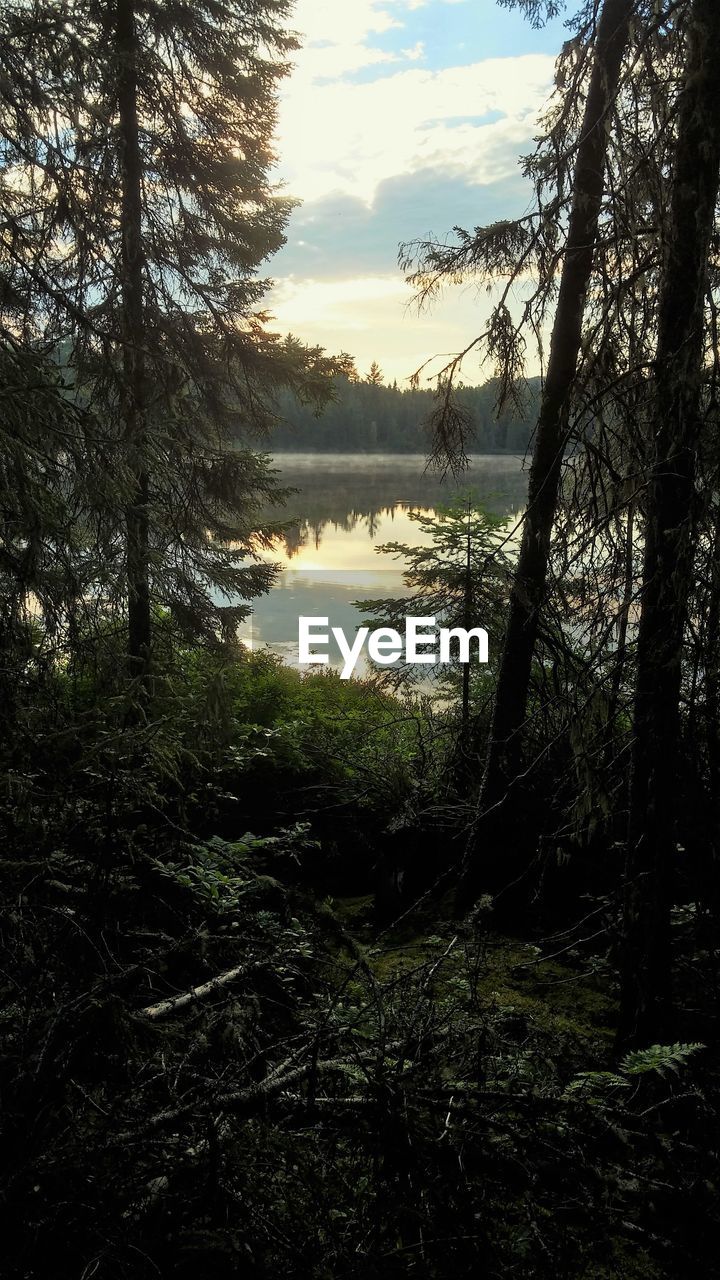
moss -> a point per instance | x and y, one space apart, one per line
559 998
354 913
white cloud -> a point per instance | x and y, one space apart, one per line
414 137
345 137
351 21
334 38
304 303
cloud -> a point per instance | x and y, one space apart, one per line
335 38
349 24
306 302
341 236
348 137
369 317
386 140
373 318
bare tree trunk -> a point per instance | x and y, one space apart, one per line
467 623
706 672
669 541
712 686
463 755
133 340
531 574
623 620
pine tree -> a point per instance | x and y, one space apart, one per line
459 574
670 536
528 592
588 272
51 477
140 137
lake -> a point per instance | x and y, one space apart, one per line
344 508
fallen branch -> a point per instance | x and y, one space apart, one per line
242 1101
155 1011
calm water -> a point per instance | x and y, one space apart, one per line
345 507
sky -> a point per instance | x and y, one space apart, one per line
401 118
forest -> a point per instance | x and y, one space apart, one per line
324 978
365 416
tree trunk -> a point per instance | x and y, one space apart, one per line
712 688
531 573
467 623
462 767
669 529
133 341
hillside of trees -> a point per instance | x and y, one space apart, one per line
367 416
329 979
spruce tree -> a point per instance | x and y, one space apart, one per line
514 676
682 360
135 159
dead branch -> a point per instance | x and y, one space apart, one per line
153 1012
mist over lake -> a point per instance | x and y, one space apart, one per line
345 506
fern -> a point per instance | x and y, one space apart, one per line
593 1086
593 1082
662 1058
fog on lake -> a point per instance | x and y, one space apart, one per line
344 507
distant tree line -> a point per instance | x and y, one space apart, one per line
366 415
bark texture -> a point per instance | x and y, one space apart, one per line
669 540
133 339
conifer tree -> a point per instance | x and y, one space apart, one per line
587 245
460 574
136 151
670 535
531 574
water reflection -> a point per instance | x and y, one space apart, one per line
344 508
347 504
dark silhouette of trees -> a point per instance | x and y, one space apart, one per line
528 593
400 418
140 136
622 504
133 337
670 534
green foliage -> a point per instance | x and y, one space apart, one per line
659 1058
337 1106
344 735
662 1058
459 574
338 1102
222 872
365 416
228 728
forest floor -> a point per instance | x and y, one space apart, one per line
555 985
436 1098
